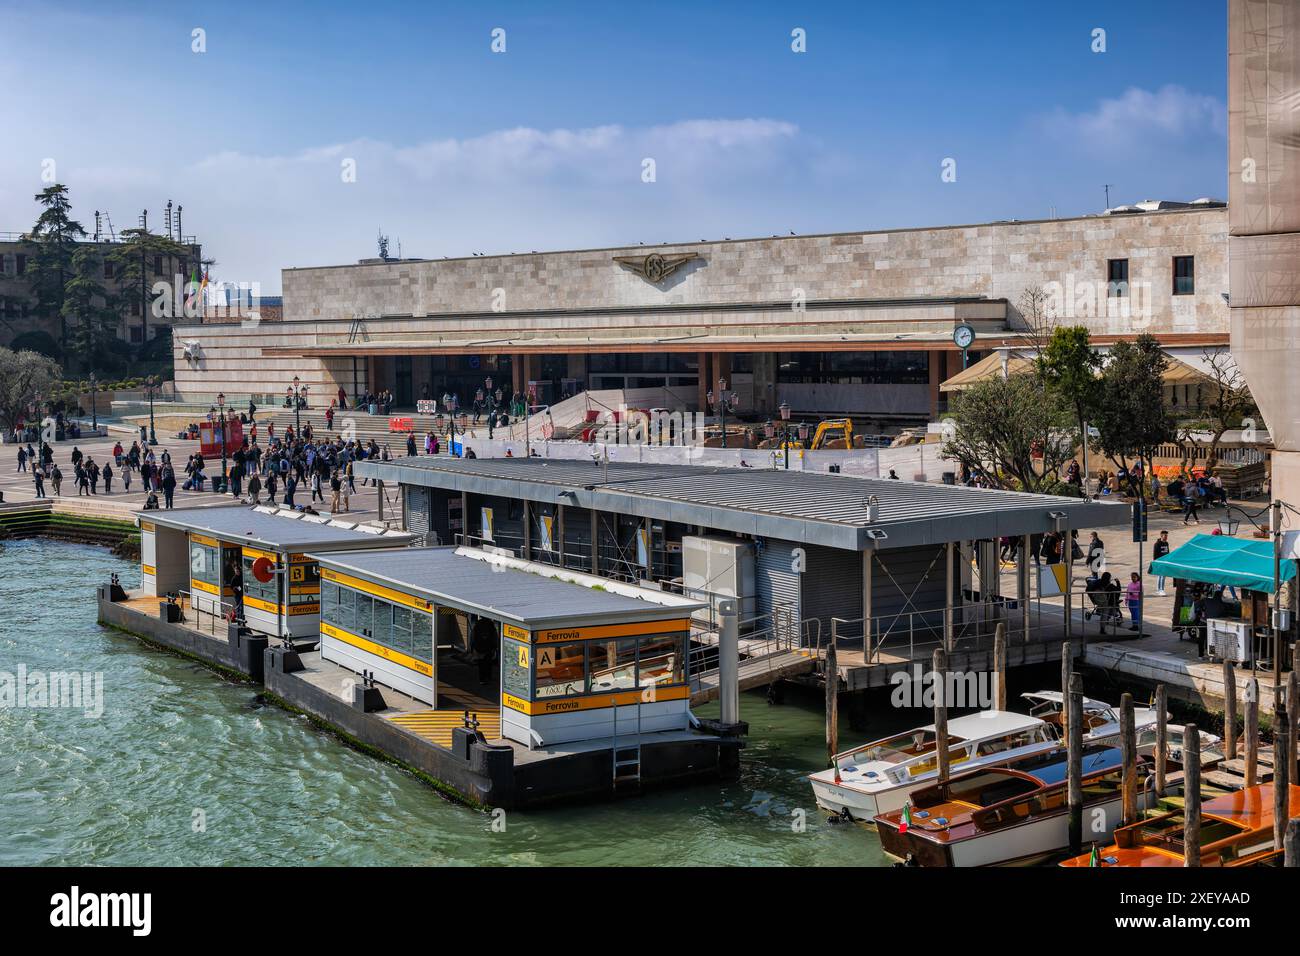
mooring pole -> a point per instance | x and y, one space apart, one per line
832 704
1067 669
1281 772
939 669
729 662
1162 738
1000 667
1251 732
1128 757
1191 796
1229 710
1074 743
1292 695
1291 855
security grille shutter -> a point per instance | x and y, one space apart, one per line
778 589
417 511
832 587
916 574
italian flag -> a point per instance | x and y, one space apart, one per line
1094 858
906 822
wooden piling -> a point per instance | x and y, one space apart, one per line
1074 743
1292 697
832 705
1229 710
1000 667
1191 796
940 668
1128 758
1162 737
1252 732
1281 771
1291 855
1067 668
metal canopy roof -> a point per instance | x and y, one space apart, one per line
800 506
273 531
531 600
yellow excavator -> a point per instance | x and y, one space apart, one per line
832 433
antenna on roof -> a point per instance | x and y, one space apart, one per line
383 245
1106 186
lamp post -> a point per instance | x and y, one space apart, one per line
151 383
94 413
221 413
785 421
720 400
297 391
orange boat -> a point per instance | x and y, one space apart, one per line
1236 830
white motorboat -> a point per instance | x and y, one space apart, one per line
879 776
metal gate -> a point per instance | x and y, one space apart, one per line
778 587
832 585
416 507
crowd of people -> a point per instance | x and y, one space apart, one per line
89 477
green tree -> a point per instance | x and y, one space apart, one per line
23 377
53 241
1131 415
88 308
1069 365
995 426
132 261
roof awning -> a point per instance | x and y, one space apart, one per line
1219 559
1184 368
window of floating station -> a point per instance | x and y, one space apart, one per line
593 667
268 591
205 563
406 630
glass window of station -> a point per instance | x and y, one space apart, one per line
546 671
205 563
397 627
268 591
854 368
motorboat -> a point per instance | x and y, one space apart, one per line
1236 830
1016 814
878 776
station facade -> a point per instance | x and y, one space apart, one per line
857 323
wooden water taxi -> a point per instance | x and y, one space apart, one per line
1236 830
1012 815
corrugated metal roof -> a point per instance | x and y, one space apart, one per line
810 507
532 600
274 531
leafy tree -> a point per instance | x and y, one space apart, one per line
1224 401
36 340
131 259
23 376
54 241
87 306
1069 366
1132 418
996 425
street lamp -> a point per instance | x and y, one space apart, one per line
720 402
464 430
151 383
784 409
221 412
298 391
94 414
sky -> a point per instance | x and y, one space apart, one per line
293 134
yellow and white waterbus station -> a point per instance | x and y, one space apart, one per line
567 654
252 557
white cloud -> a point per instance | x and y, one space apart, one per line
1138 121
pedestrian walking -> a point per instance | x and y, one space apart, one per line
254 487
1133 597
39 481
168 485
108 478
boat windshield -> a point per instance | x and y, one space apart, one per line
1166 833
914 743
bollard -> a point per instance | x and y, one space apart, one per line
729 662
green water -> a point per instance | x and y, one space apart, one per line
175 744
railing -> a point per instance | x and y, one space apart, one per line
204 621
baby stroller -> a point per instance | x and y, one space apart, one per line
1103 594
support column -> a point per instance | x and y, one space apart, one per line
528 529
559 531
947 595
868 560
1025 590
936 363
595 541
516 373
703 386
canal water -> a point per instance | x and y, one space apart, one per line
184 769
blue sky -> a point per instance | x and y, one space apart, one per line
458 149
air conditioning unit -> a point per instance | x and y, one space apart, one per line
715 568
